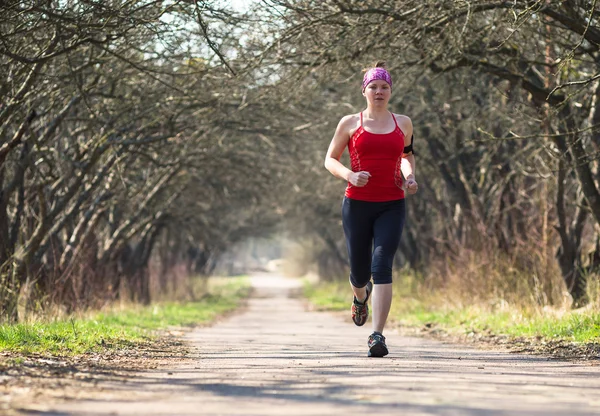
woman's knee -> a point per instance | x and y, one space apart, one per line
360 280
382 277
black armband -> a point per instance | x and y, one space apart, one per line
409 148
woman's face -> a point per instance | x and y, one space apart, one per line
378 93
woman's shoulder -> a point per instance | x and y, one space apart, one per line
405 124
350 123
402 118
350 119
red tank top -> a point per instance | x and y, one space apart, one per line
380 155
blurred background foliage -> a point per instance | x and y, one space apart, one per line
144 142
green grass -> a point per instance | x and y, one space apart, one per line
330 297
408 310
123 327
571 326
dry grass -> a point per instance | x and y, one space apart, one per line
525 282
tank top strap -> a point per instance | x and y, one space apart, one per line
395 121
361 123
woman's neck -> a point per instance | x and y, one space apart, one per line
376 113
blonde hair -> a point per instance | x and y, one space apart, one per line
378 64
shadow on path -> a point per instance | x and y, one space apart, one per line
279 359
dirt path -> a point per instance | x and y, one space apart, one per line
276 358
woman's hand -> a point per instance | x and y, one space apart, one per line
411 185
359 179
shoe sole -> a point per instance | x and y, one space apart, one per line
378 350
360 323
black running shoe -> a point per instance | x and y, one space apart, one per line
377 347
360 310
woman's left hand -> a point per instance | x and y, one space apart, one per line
411 186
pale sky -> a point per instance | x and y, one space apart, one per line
241 5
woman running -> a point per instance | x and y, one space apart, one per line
380 147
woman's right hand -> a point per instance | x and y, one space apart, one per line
359 179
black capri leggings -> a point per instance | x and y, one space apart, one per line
372 231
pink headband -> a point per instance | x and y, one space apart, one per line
374 74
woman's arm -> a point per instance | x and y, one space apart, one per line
407 165
334 153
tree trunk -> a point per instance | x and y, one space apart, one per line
569 253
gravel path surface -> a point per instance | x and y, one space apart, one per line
277 358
